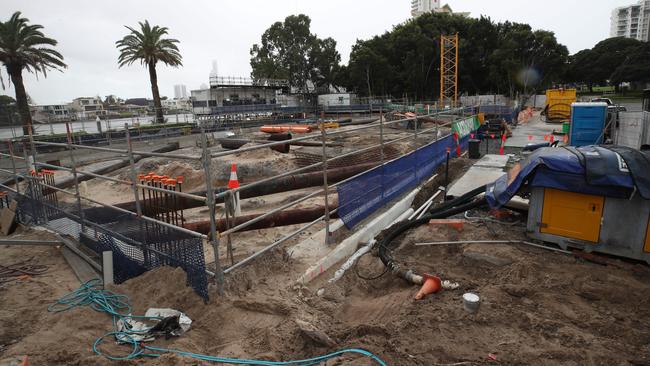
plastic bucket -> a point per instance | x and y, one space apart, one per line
471 302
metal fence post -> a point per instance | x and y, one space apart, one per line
10 146
74 176
415 147
136 195
325 185
134 173
214 239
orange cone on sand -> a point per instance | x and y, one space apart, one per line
233 182
431 285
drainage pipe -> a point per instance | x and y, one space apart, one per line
281 218
285 184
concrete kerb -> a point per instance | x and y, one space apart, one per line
363 235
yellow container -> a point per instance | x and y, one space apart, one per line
558 103
481 118
572 215
646 248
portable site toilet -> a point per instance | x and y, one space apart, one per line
587 123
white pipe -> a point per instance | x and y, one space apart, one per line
350 262
426 209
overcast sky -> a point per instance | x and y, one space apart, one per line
224 30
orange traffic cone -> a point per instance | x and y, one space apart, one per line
233 182
431 285
25 361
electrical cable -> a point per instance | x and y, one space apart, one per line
92 294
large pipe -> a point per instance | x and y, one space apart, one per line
297 181
282 218
66 183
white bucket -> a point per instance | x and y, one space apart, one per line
471 302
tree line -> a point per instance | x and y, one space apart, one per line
504 58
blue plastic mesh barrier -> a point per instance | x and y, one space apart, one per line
361 196
137 245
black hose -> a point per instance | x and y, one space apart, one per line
458 200
449 208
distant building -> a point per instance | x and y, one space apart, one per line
419 7
177 104
87 107
632 21
180 91
237 95
51 113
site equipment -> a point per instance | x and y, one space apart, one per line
448 71
558 104
596 198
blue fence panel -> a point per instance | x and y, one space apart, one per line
363 195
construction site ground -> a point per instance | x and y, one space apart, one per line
538 307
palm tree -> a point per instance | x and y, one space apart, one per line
148 46
24 47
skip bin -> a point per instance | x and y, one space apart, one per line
587 123
558 103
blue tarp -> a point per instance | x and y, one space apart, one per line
565 169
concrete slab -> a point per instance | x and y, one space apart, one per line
492 161
532 132
475 177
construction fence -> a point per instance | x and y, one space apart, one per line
137 245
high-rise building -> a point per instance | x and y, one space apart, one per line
180 91
419 7
632 21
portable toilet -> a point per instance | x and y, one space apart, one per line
587 123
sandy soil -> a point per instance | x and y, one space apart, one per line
538 308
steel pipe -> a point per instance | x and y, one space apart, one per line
281 218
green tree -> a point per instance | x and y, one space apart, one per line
325 63
288 50
23 46
149 46
635 67
597 65
405 62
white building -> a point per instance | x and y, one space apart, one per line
180 91
177 104
87 107
632 21
50 113
419 7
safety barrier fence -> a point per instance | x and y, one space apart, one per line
141 242
363 195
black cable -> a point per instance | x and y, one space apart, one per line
356 270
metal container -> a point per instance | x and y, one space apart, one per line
471 302
474 152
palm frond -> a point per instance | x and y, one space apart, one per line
24 46
148 46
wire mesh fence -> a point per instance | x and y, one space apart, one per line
137 245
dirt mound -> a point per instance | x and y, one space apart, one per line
163 287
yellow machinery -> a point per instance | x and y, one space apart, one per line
558 104
328 125
591 222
